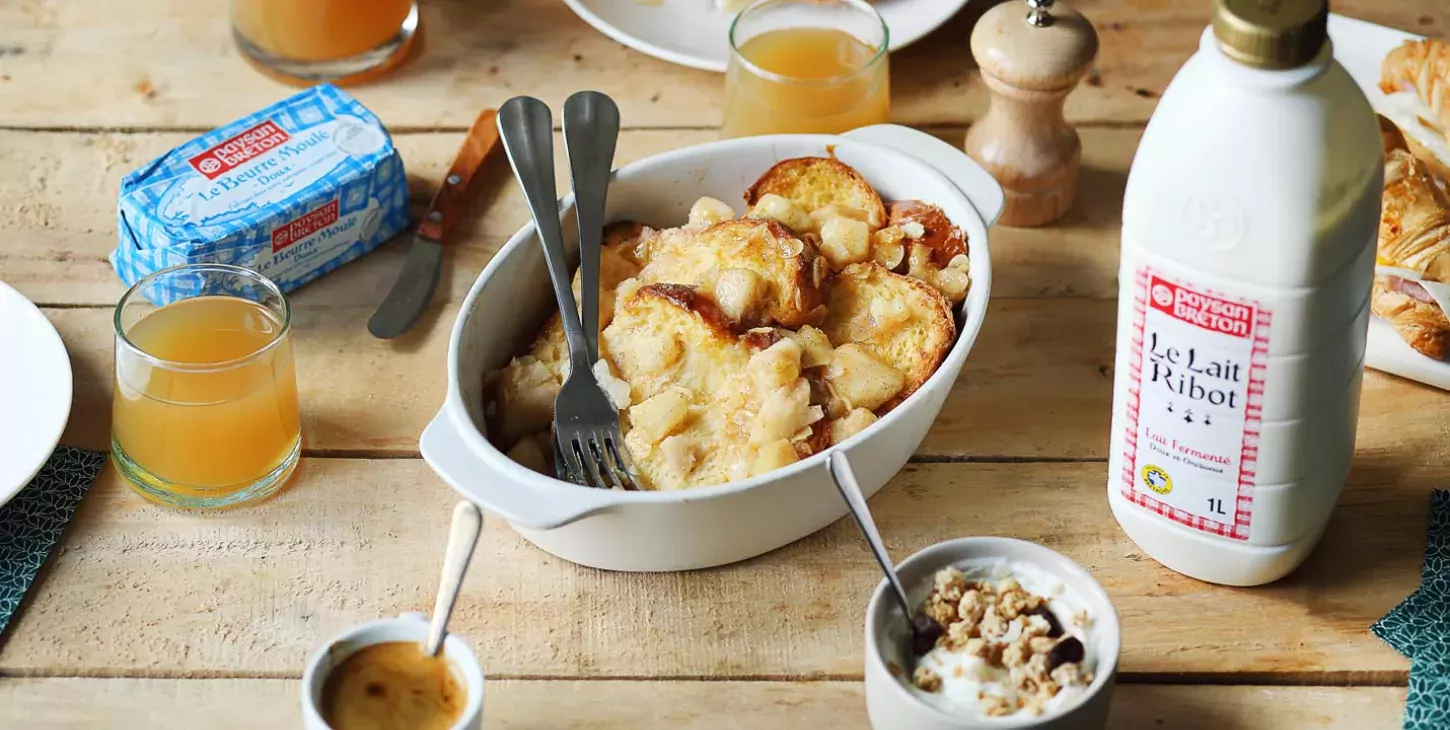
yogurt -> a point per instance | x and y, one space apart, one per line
1015 643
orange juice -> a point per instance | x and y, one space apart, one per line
319 30
213 408
821 80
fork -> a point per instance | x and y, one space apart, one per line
589 444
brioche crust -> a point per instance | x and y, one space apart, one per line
816 182
915 346
793 275
730 347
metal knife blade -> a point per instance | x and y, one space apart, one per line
412 293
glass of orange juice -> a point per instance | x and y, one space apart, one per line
806 66
310 41
205 410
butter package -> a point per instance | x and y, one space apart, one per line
292 191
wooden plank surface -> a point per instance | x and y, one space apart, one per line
172 64
243 704
137 590
366 397
58 217
185 620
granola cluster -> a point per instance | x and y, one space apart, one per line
1013 633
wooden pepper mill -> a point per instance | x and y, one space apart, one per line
1031 56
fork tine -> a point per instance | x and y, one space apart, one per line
561 467
594 465
610 464
624 470
572 457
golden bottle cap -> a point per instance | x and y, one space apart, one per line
1271 33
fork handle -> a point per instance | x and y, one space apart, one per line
591 129
527 130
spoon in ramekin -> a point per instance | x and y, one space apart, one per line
462 537
924 630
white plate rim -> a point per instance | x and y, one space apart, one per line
897 41
49 355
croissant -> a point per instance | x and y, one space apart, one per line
1414 228
1422 67
1414 234
1407 306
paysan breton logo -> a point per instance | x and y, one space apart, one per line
1202 310
304 225
228 154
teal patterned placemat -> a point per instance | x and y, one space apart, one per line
1424 617
1419 627
1427 704
31 523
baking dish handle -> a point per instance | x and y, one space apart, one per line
444 450
964 172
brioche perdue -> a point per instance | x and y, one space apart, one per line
900 319
812 183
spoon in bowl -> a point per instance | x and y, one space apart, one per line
462 537
924 630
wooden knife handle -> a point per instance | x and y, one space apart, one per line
448 202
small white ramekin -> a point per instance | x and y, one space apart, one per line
406 627
891 706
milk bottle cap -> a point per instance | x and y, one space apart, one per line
1272 34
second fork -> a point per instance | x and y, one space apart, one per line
589 443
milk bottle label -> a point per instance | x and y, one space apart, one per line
1195 397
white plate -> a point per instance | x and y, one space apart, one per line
696 33
1359 47
35 391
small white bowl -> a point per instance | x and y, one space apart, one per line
891 706
406 627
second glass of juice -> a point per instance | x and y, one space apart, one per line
205 412
806 66
309 41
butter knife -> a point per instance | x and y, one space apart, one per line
413 291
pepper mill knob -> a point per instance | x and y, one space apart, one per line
1031 58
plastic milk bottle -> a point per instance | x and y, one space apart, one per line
1248 249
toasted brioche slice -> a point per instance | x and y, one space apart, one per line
526 388
812 183
903 321
936 231
615 265
672 345
790 277
625 236
667 335
708 407
524 394
1414 314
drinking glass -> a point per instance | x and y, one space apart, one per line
806 66
205 410
311 41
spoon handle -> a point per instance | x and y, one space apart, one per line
527 129
591 130
845 480
462 537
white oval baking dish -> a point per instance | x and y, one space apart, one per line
706 526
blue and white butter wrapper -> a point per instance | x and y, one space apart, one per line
292 192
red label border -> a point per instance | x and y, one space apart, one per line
1253 416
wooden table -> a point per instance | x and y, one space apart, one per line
155 618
